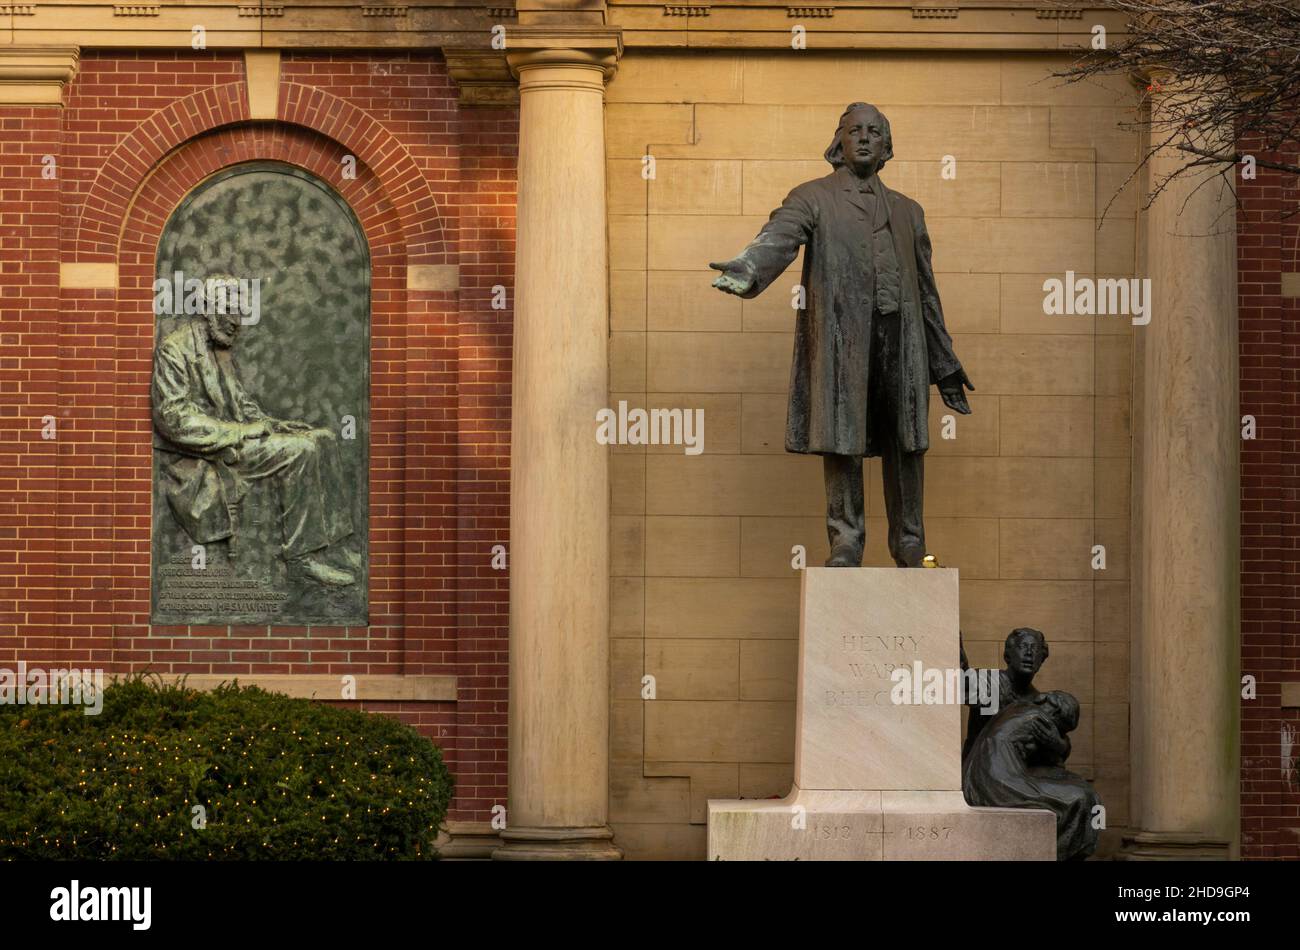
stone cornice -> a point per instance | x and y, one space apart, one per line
584 13
853 24
467 24
35 75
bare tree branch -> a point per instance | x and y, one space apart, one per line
1223 83
1235 157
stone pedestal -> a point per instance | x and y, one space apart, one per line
875 779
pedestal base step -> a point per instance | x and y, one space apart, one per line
810 825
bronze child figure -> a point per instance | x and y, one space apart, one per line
870 339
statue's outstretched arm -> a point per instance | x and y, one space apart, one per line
789 227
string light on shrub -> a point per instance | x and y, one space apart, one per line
177 763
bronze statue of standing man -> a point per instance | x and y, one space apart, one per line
870 338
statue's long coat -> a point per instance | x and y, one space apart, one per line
828 380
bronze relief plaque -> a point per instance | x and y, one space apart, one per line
260 403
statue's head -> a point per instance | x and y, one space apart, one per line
1025 651
1064 709
862 140
221 308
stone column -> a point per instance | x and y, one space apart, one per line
558 803
1185 747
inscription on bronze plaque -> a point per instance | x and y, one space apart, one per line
260 404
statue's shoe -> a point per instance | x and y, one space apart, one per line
324 574
844 555
910 555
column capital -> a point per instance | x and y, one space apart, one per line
36 75
529 47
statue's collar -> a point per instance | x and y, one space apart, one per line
851 182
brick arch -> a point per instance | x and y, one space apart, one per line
203 156
107 206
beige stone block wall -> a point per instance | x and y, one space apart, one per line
704 599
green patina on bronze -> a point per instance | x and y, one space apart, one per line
262 429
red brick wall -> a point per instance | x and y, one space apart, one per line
485 210
29 382
434 185
1267 247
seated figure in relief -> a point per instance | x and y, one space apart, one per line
213 439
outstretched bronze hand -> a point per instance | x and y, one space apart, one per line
737 276
950 388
